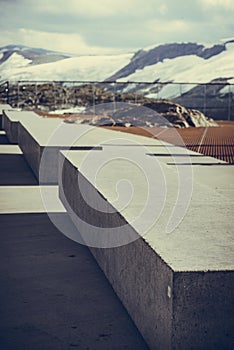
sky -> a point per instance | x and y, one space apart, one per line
113 26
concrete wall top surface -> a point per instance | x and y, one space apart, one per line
16 116
65 134
183 210
4 106
58 133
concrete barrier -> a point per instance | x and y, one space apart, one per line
3 107
10 122
177 287
41 139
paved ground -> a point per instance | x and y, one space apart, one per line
53 295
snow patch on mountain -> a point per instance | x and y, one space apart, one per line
84 68
16 61
228 88
189 68
184 69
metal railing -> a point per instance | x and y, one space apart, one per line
214 99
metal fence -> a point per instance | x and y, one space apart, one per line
215 99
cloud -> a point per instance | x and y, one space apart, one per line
70 43
106 24
163 9
221 14
94 9
225 4
162 27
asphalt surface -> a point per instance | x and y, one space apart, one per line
53 295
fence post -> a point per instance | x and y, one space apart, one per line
35 100
204 100
114 101
93 93
7 90
229 102
17 94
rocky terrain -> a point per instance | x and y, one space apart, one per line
155 113
105 108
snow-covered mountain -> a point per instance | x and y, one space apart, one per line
151 56
177 62
167 63
181 63
20 63
30 55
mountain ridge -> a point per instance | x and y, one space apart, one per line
35 55
143 58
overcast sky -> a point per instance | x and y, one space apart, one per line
107 26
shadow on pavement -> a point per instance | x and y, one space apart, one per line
15 171
53 295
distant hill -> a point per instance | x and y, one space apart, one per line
152 56
179 62
23 63
34 55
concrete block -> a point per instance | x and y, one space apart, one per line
3 107
41 139
10 121
177 287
